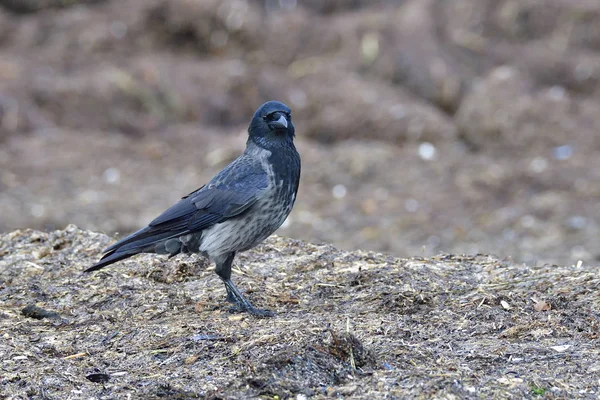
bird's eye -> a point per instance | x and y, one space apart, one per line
270 116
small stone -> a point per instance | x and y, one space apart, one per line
339 191
427 151
42 252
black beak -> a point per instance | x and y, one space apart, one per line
281 123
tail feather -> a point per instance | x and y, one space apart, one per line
142 241
134 237
108 259
133 244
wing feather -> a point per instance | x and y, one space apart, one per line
230 193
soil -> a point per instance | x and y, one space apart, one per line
348 325
426 127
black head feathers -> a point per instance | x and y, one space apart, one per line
272 125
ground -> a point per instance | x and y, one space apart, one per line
425 126
349 324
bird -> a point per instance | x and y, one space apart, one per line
236 210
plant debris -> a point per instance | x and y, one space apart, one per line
98 378
36 312
363 325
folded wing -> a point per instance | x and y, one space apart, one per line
233 191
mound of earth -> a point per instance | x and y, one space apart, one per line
349 324
425 126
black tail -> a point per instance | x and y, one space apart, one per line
108 259
143 241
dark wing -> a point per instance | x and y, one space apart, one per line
230 193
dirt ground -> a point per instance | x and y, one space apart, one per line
348 325
425 126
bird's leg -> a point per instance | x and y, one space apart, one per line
231 297
234 296
223 269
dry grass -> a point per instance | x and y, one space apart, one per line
351 324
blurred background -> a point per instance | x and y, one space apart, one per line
425 126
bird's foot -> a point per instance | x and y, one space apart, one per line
240 304
262 313
231 298
257 312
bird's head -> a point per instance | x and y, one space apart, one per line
272 125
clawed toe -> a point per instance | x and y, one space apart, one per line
240 304
261 313
257 312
